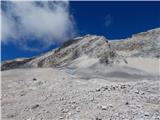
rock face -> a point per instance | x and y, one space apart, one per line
90 45
17 63
145 44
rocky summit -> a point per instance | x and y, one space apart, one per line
144 44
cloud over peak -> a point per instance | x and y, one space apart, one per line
42 23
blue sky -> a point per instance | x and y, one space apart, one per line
114 20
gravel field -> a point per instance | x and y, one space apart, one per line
52 94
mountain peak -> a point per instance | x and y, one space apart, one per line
144 44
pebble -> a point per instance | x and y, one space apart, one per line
97 90
65 110
98 118
78 109
123 86
29 119
126 103
104 107
136 91
34 79
35 106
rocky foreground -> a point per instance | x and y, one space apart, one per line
53 94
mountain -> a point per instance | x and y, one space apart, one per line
87 78
144 44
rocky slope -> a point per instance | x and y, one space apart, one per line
87 78
52 94
145 44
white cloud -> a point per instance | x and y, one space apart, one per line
43 23
7 27
108 20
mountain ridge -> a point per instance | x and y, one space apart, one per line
144 44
